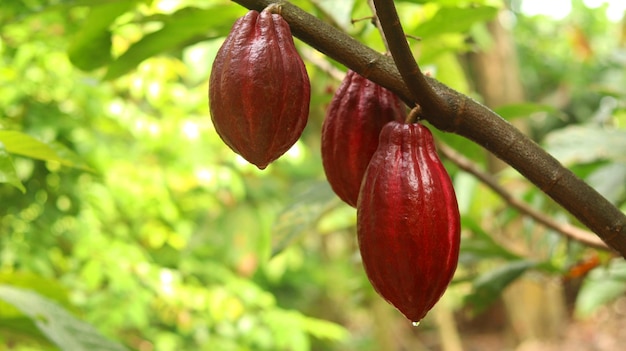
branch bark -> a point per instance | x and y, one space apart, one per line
566 229
468 118
421 92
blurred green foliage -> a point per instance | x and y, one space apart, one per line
123 209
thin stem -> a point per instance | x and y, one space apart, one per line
468 118
583 236
377 23
421 91
413 115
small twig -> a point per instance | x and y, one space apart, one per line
414 37
368 18
376 22
583 236
421 91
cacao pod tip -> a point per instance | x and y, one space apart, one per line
261 166
408 222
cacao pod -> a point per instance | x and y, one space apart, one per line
408 221
259 90
356 114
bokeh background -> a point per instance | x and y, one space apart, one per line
125 222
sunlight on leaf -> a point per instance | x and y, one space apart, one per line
324 329
24 145
185 27
480 245
512 111
91 46
601 286
7 170
586 143
455 19
63 329
340 11
301 215
489 286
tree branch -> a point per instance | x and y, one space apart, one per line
566 229
468 118
421 91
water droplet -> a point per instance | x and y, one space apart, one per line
416 324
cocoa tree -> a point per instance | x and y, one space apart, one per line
454 112
177 211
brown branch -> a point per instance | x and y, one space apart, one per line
421 91
470 119
583 236
465 164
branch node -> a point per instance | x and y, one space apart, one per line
369 66
372 19
275 7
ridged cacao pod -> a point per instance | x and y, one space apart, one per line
356 115
259 90
408 221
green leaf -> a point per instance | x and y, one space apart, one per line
183 28
522 110
287 329
339 11
91 46
11 319
59 326
489 286
21 326
610 181
322 329
302 214
586 143
89 51
68 157
453 75
22 144
49 288
601 286
481 245
454 20
7 170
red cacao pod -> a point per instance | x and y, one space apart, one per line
408 221
259 90
356 115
